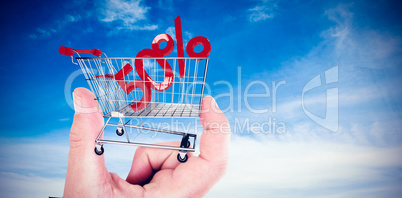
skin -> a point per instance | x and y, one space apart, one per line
87 175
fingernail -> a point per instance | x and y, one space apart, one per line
214 104
77 102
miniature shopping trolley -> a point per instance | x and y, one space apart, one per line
144 87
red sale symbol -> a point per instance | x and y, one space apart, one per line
147 82
129 87
199 40
180 51
156 52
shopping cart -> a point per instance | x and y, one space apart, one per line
133 87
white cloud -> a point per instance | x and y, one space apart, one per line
20 185
262 11
258 168
367 94
118 14
33 167
358 161
36 167
72 18
290 165
187 36
172 32
356 51
42 33
343 18
126 14
361 47
35 155
46 32
348 97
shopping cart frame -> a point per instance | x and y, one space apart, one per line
121 112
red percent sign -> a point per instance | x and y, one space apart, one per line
147 82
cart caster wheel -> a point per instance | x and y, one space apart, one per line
185 143
99 151
182 160
119 132
188 144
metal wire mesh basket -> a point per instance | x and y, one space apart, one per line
133 87
180 96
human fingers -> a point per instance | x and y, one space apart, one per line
85 168
214 143
149 160
197 176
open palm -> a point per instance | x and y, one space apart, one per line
154 172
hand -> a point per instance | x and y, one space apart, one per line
87 175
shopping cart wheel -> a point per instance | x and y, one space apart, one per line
119 132
100 150
185 143
182 159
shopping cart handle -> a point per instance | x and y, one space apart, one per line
70 51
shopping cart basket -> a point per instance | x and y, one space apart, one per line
133 87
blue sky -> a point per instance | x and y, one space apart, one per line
268 41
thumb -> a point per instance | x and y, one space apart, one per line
88 120
215 139
84 166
